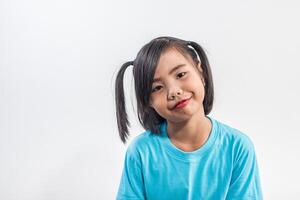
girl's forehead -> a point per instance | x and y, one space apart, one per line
169 59
171 55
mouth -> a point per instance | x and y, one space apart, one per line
181 104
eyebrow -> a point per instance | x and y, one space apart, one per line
170 72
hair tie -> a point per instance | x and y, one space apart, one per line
190 43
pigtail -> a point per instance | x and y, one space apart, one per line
122 118
207 75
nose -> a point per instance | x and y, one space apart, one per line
174 92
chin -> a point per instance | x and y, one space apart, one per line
179 118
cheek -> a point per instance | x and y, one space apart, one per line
156 98
159 106
198 89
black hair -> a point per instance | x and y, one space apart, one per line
144 66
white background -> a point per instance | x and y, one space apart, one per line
58 59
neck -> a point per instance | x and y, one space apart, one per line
191 134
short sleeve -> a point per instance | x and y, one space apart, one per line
245 180
131 185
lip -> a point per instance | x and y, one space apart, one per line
181 104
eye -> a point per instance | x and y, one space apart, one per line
180 75
157 88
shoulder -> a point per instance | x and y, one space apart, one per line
234 138
236 146
139 141
142 144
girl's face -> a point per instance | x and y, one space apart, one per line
177 90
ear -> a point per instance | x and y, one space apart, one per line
199 67
201 73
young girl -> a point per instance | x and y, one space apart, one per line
184 153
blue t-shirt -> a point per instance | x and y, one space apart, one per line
225 167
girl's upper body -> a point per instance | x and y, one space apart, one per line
225 167
183 154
